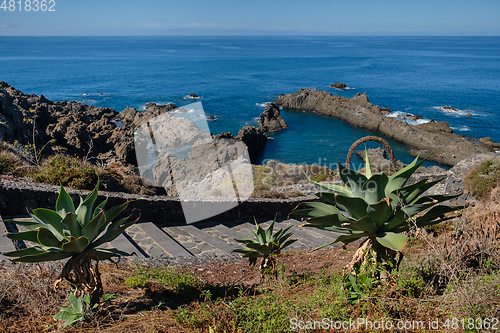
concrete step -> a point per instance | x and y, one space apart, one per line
220 231
167 244
146 239
206 237
197 242
325 233
6 244
123 243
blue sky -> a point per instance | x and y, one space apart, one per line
257 17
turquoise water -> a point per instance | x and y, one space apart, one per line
235 76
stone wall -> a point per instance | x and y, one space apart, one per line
17 198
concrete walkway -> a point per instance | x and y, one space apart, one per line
149 240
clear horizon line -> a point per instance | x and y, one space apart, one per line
262 35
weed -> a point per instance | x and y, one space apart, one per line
10 163
65 170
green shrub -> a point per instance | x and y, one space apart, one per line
483 178
65 170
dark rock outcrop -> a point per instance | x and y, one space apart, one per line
270 119
359 112
253 138
102 133
76 128
338 85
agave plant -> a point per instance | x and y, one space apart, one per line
377 207
73 233
267 246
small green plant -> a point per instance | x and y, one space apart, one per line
137 281
378 208
76 234
68 171
267 246
78 310
357 287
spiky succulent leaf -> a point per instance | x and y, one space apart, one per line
29 251
345 239
30 225
380 212
44 256
353 180
354 206
106 254
100 207
76 245
64 204
368 170
374 188
30 236
363 224
434 213
399 179
269 231
398 220
328 197
316 209
331 187
91 229
112 213
288 243
392 240
51 219
71 224
84 210
47 238
112 234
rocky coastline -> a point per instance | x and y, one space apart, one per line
447 148
84 131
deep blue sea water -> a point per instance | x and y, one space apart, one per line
235 75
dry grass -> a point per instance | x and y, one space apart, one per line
27 297
483 177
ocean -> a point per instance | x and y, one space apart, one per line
236 76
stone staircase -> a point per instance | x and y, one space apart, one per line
149 240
